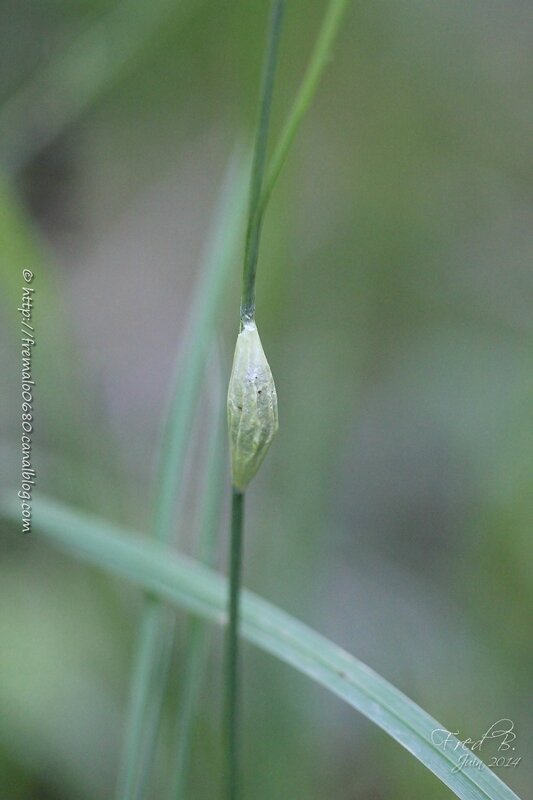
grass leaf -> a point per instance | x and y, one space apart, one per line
198 589
319 58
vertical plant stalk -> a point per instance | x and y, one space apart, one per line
247 314
232 652
260 191
253 232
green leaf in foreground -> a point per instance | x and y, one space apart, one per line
185 583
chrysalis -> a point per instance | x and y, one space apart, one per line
252 407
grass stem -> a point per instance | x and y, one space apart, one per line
247 312
232 653
253 232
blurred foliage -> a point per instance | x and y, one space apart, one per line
394 509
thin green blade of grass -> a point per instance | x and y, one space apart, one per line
150 639
319 59
196 642
165 647
77 76
144 700
190 585
195 647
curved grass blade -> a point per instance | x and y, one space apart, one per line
190 585
319 59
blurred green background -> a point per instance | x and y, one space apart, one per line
393 511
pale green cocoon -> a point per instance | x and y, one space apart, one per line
252 407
